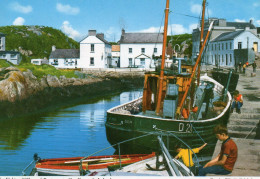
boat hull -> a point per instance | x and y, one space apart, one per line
121 127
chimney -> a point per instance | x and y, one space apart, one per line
251 21
101 35
123 31
92 33
53 48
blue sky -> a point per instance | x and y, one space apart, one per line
76 17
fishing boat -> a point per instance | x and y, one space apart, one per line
183 103
76 166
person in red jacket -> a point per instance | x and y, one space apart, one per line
237 102
224 163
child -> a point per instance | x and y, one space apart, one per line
224 163
186 155
237 102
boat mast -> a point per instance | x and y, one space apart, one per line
201 36
158 106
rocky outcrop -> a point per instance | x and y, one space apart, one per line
21 92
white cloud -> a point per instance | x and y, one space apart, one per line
257 22
256 4
112 34
173 29
19 21
19 8
67 9
240 20
68 30
197 8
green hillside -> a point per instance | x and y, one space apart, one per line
36 41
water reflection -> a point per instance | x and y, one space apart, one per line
78 130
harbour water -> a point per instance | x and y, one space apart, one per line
73 131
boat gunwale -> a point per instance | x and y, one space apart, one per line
206 78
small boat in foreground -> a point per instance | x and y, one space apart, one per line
72 166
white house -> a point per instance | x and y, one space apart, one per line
95 51
138 49
64 58
12 56
230 48
39 61
229 42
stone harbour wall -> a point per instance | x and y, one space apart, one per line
22 93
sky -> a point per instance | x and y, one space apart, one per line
76 17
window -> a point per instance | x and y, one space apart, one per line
215 46
230 45
155 50
55 62
226 59
13 55
130 62
230 58
222 58
92 48
143 50
142 61
212 47
222 46
92 61
239 46
226 45
218 46
130 50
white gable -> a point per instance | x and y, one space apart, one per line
92 39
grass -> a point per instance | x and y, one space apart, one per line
4 63
40 70
43 70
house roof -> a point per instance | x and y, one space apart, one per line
141 38
115 48
9 52
101 37
228 36
241 25
65 53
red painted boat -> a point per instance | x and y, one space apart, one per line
71 166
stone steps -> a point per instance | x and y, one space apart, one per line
241 122
245 116
244 134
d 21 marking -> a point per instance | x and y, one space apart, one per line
185 128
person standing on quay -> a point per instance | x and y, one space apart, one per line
224 163
244 69
237 102
240 67
254 66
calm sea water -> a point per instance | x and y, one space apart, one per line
68 132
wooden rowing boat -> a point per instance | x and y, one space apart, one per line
71 166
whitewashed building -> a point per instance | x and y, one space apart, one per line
115 61
95 51
230 48
39 61
11 56
228 44
138 49
64 58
